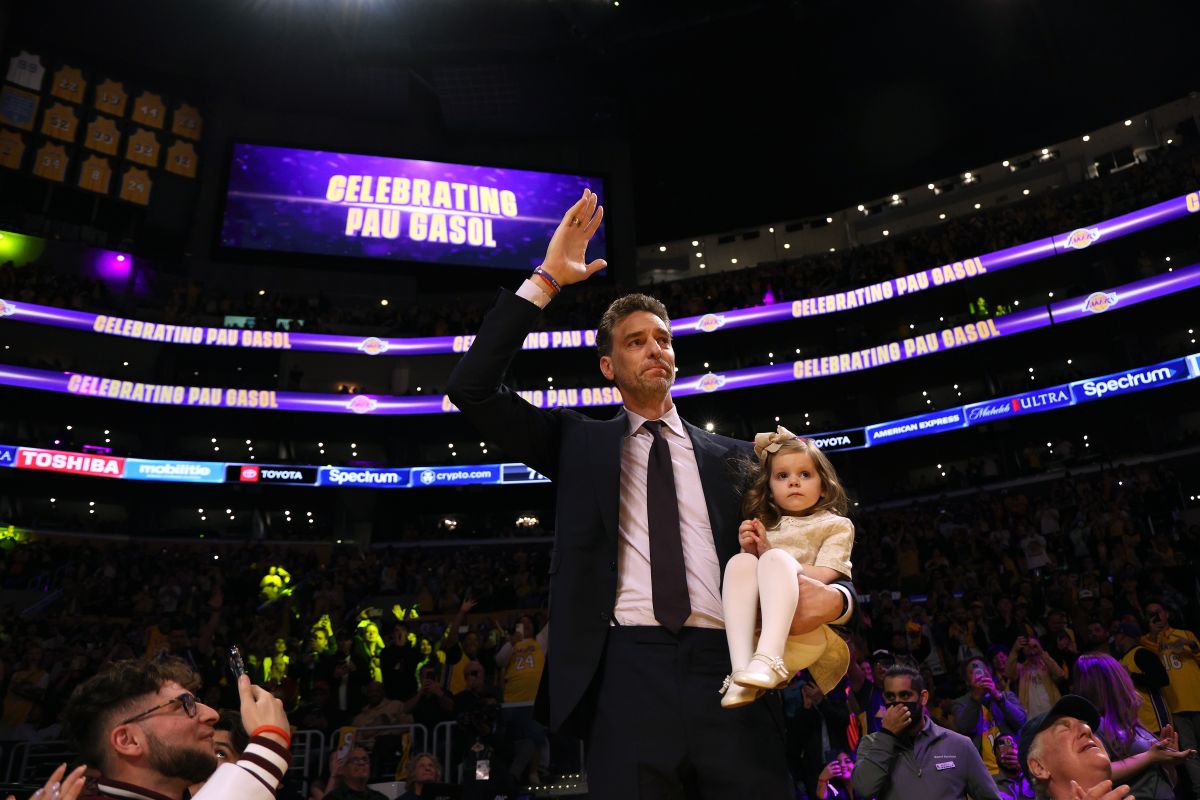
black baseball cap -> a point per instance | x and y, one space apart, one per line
1069 705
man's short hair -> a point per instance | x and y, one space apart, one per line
230 720
904 670
621 308
100 702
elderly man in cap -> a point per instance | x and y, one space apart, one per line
1062 755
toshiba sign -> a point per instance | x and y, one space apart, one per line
74 463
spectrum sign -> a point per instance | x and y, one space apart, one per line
1134 380
366 478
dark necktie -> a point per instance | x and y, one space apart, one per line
667 574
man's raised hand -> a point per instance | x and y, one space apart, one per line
260 707
567 252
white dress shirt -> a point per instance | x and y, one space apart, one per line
635 597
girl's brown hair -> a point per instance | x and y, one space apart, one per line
757 502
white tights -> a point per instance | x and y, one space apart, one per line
769 580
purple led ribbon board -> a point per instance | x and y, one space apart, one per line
1154 376
912 347
1077 239
340 204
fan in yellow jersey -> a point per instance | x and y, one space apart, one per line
1149 676
461 647
523 658
1179 651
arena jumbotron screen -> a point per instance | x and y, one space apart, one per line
341 204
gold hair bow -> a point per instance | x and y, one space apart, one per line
765 443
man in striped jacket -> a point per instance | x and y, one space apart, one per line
139 722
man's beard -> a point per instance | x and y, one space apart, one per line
651 385
193 766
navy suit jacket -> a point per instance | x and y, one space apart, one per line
583 457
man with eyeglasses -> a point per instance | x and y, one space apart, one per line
139 723
348 778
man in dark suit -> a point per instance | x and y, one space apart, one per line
637 650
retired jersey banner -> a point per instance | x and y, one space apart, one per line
341 204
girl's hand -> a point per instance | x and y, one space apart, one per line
752 536
761 537
746 534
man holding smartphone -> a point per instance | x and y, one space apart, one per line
984 712
1011 782
141 724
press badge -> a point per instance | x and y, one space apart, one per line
941 765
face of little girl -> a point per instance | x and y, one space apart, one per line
795 485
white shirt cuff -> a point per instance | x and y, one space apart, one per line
533 293
844 618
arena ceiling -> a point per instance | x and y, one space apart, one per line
736 112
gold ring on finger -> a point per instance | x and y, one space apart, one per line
576 221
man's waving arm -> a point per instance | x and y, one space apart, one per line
476 385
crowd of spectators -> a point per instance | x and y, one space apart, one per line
997 598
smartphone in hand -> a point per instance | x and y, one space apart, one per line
236 664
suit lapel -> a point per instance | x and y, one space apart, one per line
718 490
606 462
